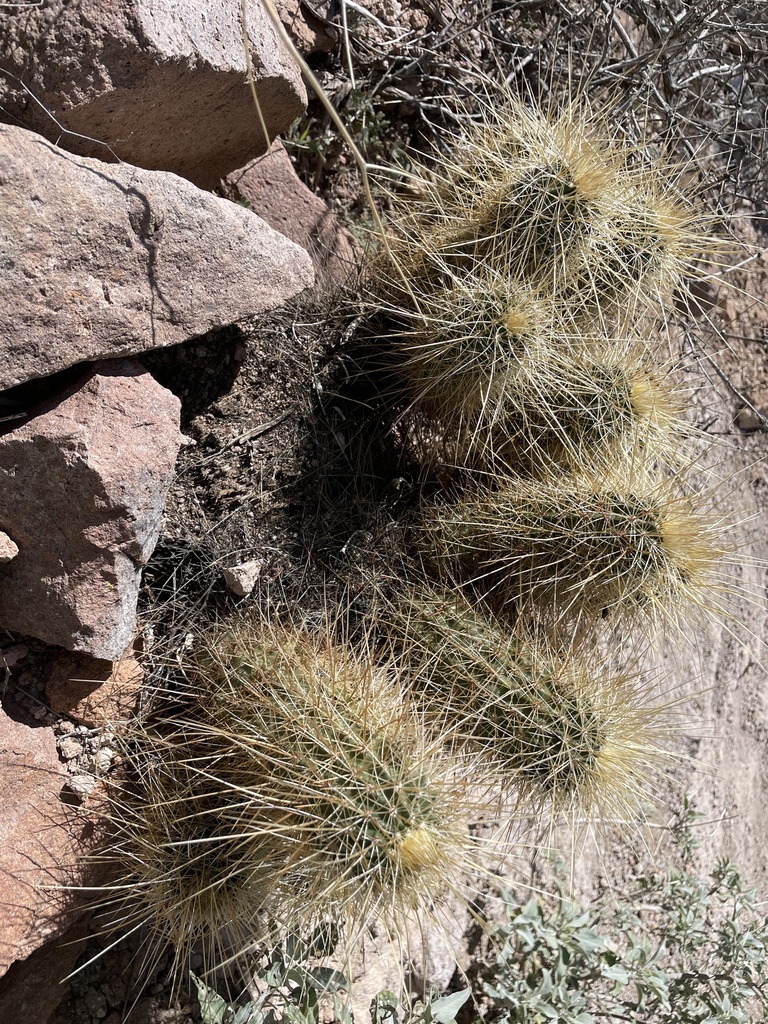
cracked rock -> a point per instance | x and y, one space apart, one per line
102 261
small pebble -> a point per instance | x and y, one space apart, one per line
104 759
82 785
8 550
70 748
241 579
747 421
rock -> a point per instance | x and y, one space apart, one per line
103 261
31 989
69 748
309 28
8 549
241 579
82 487
273 190
81 786
748 420
157 83
41 841
13 655
92 691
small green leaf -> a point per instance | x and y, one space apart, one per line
616 972
384 1007
213 1008
341 1011
324 979
588 941
444 1010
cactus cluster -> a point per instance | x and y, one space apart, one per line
538 263
532 280
306 781
298 786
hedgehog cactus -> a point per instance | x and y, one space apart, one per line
579 548
561 202
557 726
522 265
569 409
298 786
371 806
186 867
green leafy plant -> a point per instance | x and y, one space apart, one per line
678 949
386 1008
294 993
290 989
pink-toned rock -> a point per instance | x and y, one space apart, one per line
82 488
93 691
309 28
274 191
102 261
41 841
241 579
33 988
8 549
157 83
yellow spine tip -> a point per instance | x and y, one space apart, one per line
516 321
680 542
593 180
643 397
417 850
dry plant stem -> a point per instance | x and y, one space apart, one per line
249 71
338 123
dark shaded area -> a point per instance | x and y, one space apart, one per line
24 401
200 370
